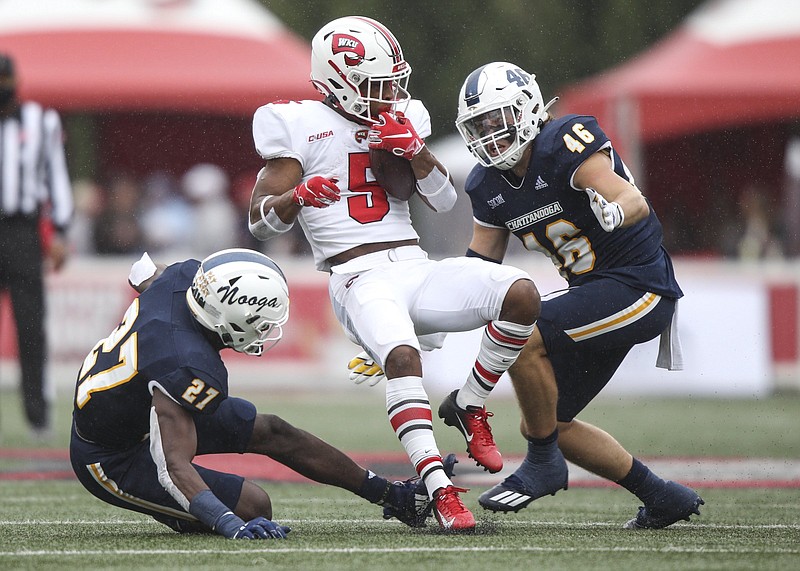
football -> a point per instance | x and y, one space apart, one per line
393 173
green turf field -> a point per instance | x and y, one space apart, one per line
57 525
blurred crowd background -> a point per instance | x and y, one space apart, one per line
157 98
170 216
162 181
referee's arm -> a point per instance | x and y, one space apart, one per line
58 185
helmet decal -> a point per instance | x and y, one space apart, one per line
397 53
231 295
471 93
239 255
199 288
241 295
358 65
352 48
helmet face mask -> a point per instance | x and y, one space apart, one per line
491 134
241 295
500 111
359 63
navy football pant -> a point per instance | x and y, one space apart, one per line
129 478
589 329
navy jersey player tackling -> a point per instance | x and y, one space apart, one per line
154 394
558 185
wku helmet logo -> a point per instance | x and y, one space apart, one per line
352 47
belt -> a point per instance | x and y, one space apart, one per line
371 260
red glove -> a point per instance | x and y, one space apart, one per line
317 191
395 134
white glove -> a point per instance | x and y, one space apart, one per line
363 368
142 270
609 214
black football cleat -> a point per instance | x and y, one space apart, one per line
675 503
417 506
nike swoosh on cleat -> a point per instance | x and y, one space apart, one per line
466 433
448 523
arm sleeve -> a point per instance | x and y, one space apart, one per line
57 177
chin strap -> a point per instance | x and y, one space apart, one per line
545 113
549 104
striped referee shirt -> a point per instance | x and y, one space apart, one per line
33 168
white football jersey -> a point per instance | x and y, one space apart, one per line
329 145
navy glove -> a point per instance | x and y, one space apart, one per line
262 528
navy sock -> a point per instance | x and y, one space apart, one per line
543 441
375 489
543 450
544 470
641 482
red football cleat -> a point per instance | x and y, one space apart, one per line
450 510
474 425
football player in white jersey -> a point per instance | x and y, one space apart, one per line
385 291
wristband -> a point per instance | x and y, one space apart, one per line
207 508
473 254
438 190
434 183
269 225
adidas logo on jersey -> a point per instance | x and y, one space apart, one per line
539 184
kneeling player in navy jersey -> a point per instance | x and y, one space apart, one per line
154 394
558 185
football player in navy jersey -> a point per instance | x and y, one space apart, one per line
154 394
558 185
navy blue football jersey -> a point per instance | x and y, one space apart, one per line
158 343
550 216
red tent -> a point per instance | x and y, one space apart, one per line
732 63
167 83
201 56
706 112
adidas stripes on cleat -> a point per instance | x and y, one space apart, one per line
473 423
512 494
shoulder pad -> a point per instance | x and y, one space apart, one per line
475 177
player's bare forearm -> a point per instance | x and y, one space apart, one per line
304 453
597 173
424 162
489 243
179 442
273 190
634 205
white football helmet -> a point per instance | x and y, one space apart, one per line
350 51
243 296
500 111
